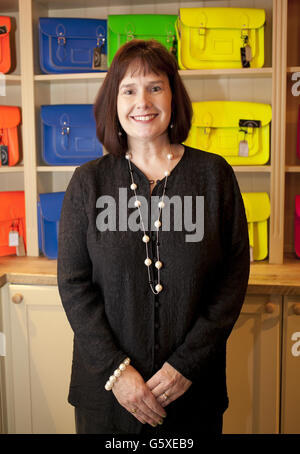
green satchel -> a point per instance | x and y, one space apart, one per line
122 28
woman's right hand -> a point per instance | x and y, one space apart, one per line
133 394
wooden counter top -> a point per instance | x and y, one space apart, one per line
264 278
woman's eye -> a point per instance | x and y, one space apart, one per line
156 88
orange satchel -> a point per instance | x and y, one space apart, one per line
10 118
5 58
12 223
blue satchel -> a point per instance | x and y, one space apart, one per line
69 134
49 208
68 45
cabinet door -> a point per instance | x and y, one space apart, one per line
253 369
40 361
290 410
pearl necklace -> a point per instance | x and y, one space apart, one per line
157 224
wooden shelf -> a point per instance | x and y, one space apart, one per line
240 169
293 69
12 169
228 72
292 169
56 168
250 169
69 77
10 78
185 74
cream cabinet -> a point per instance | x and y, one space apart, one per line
37 365
38 360
290 387
253 368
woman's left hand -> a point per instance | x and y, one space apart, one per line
168 384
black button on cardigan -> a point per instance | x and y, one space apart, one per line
104 288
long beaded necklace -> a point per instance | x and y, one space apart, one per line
157 223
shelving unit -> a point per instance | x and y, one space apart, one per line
29 88
292 164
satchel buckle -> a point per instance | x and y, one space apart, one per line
201 31
130 35
245 35
61 40
65 130
102 40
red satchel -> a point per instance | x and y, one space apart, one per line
297 225
12 223
5 56
10 118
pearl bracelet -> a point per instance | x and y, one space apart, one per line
112 379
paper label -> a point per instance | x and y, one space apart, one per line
2 85
13 238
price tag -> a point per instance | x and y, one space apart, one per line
243 148
13 238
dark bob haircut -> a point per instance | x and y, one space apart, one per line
148 56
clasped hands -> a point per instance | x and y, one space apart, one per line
146 400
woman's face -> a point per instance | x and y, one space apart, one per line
144 105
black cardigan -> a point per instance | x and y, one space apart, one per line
103 284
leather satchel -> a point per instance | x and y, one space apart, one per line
72 45
5 55
257 207
12 223
49 209
125 27
69 134
238 131
216 38
10 118
297 225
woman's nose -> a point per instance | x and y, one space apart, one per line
143 99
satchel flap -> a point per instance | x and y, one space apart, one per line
12 205
72 115
50 205
227 114
72 27
231 18
5 22
142 24
297 206
10 116
257 206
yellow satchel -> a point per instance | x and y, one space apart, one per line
238 131
257 207
210 38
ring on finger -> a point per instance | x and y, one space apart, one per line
133 410
165 396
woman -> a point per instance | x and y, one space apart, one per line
150 303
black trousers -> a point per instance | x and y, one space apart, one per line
87 422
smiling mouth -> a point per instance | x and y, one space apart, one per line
144 118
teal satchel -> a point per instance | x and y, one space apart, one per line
122 28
